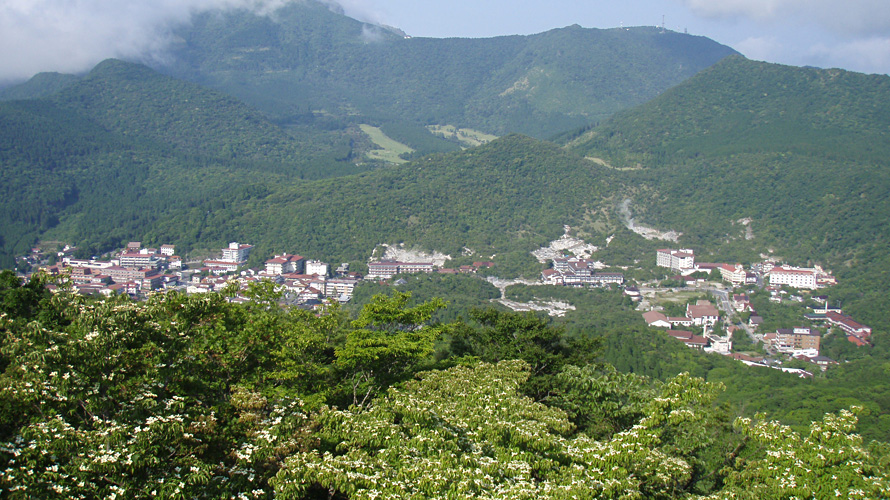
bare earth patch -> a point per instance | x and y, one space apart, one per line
552 307
644 231
401 254
565 243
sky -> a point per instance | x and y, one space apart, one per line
71 36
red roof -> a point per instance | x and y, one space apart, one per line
784 270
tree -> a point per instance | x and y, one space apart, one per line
387 342
829 462
468 432
502 335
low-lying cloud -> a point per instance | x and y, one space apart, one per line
72 37
854 18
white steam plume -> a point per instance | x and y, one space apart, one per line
73 36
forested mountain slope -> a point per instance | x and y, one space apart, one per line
306 59
113 150
506 198
802 153
40 85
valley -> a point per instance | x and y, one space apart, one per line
305 256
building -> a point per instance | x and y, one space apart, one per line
794 277
387 269
285 264
693 341
236 252
168 250
138 260
735 274
578 272
341 288
796 339
741 302
703 313
317 267
857 333
656 319
677 260
221 266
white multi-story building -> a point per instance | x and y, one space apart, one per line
794 277
703 313
138 260
734 274
677 260
284 264
388 269
317 267
577 272
341 288
236 253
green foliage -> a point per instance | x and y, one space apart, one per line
468 432
828 462
496 335
387 342
40 85
106 157
462 292
183 397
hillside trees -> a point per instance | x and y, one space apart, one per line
468 432
189 396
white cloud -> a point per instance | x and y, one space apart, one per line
763 48
362 10
66 36
757 9
871 55
842 17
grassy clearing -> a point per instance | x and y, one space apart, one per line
602 162
390 149
466 136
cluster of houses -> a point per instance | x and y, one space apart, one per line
134 270
683 262
799 342
702 314
138 270
577 272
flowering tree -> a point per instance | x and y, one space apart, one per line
193 396
829 462
468 432
138 400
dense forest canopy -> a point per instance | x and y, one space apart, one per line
306 58
801 153
195 396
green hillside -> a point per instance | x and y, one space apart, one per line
40 85
127 153
802 153
306 59
506 198
109 154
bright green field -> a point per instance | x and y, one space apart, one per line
390 149
467 136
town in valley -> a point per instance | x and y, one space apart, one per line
719 310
